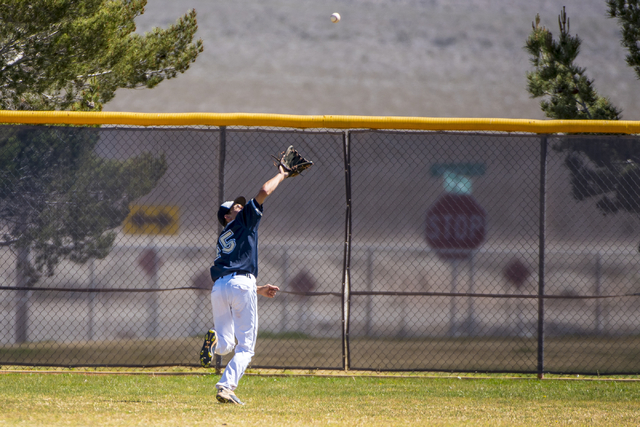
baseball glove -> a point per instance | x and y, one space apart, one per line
292 162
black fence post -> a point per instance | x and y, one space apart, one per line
346 274
222 153
541 252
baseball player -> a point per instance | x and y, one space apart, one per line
234 293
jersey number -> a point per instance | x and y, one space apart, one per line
226 243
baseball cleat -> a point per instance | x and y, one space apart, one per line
225 395
206 354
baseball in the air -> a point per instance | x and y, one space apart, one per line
335 17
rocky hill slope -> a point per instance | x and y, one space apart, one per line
434 58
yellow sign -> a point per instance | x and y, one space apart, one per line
152 219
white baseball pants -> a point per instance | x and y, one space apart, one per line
234 302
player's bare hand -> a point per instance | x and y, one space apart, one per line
268 290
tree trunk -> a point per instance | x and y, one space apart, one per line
22 297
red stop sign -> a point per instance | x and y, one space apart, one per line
455 225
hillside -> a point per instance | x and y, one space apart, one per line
439 58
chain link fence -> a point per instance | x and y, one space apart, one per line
398 250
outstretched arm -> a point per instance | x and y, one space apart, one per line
270 186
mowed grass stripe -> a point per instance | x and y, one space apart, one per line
72 399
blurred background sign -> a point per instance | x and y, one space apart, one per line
456 221
455 225
152 220
456 177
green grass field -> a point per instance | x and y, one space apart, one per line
165 399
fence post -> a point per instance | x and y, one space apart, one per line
346 268
222 154
541 252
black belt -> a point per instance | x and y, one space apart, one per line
236 273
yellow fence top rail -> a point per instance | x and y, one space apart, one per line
326 121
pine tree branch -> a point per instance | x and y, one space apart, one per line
585 108
8 243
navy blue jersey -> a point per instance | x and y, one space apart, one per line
237 247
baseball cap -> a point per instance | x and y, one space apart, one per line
226 207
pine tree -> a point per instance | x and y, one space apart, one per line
74 54
568 92
606 168
61 200
627 13
58 198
